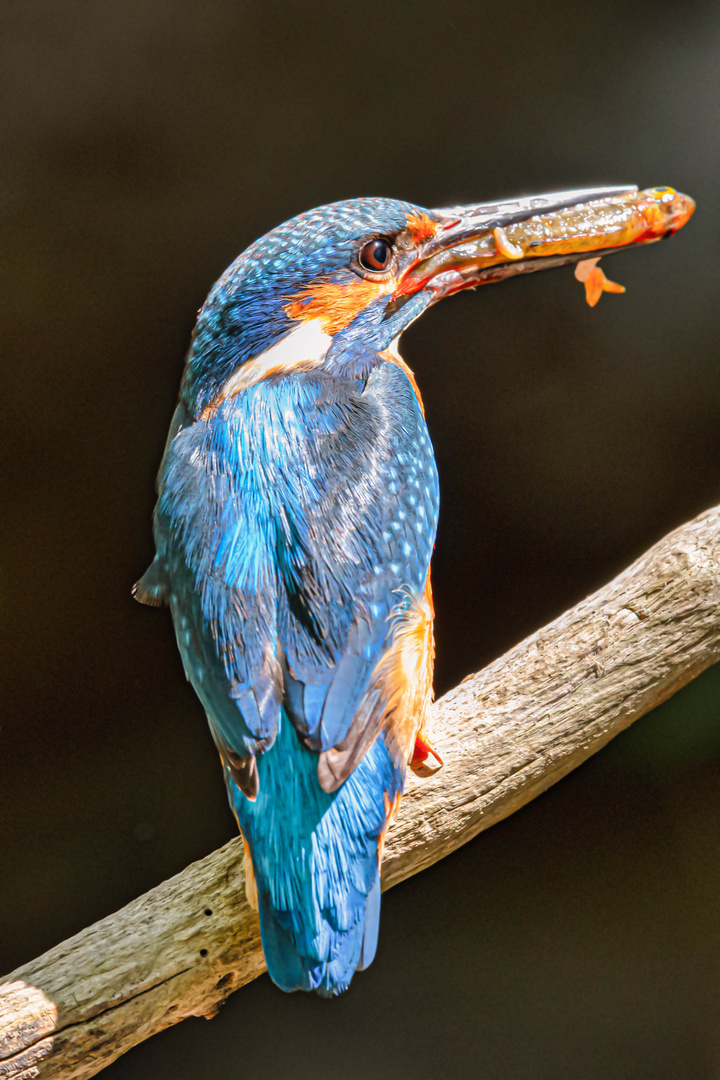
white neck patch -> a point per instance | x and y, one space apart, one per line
304 346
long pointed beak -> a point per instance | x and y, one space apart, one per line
475 245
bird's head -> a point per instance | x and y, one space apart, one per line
335 286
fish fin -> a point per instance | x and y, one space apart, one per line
595 281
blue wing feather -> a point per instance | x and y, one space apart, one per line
366 534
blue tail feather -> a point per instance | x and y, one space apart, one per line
315 857
372 927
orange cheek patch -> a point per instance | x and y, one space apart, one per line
335 305
421 227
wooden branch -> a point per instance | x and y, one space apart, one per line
506 734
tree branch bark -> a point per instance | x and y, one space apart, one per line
506 734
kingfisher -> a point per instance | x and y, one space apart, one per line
296 516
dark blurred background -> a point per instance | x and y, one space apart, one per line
144 144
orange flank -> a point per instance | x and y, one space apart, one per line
405 673
391 809
335 306
595 281
421 227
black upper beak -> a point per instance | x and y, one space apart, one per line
469 222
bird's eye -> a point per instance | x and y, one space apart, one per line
376 255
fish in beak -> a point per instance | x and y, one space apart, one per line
475 245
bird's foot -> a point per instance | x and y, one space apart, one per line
420 762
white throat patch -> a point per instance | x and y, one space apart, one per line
304 346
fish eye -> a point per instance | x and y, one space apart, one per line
665 194
375 256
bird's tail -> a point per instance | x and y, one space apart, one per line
296 963
315 858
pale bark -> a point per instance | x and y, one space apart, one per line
506 734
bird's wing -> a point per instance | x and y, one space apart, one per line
353 556
215 568
290 534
